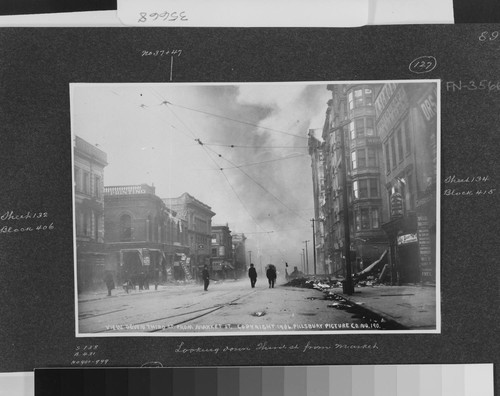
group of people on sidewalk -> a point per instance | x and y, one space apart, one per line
270 273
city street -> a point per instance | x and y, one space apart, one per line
228 307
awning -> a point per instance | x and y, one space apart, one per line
372 265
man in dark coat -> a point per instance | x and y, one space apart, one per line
252 274
110 283
271 275
206 277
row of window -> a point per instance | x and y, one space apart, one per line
88 224
398 145
366 218
361 127
360 97
363 158
88 183
365 188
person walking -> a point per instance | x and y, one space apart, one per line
110 283
206 277
252 274
271 275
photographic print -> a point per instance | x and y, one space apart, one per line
220 209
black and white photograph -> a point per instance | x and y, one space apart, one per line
256 208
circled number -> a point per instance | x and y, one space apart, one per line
423 64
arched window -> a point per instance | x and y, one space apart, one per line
125 228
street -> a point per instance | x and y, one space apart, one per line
227 307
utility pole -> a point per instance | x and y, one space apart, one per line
303 261
307 258
314 245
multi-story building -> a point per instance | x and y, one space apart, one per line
198 217
89 164
406 118
239 254
318 175
351 111
222 259
145 239
390 143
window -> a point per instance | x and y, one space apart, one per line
125 228
375 218
407 135
365 218
372 157
399 139
214 252
358 98
365 188
393 150
360 127
352 130
214 238
354 160
78 179
387 157
368 97
96 226
373 188
370 129
86 182
97 186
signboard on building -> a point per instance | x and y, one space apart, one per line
406 239
128 190
393 112
424 248
397 209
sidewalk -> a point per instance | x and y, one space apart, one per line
411 306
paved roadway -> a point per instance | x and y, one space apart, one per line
227 307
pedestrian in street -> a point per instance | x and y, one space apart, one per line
110 283
252 274
206 277
271 275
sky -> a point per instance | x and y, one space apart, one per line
179 137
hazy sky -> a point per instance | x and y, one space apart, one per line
264 189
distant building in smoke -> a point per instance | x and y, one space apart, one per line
143 236
89 164
390 133
198 218
239 254
222 259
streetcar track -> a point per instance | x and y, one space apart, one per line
210 310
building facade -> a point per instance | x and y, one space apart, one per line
390 148
89 164
316 151
198 218
407 122
239 254
222 264
146 241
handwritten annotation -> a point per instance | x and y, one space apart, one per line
483 85
160 53
489 36
164 16
20 220
423 64
458 182
86 355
